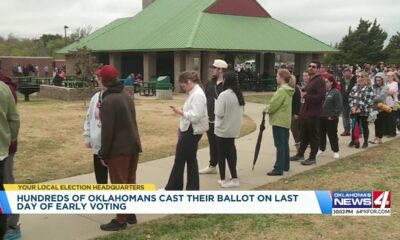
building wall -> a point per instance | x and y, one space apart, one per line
7 63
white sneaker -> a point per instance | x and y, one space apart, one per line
231 184
220 182
319 153
208 170
336 155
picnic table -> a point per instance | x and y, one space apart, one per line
73 84
148 88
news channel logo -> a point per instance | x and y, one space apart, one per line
376 203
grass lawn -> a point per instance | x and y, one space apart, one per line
51 145
262 99
377 168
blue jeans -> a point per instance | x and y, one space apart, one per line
346 118
281 141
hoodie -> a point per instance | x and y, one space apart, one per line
280 107
92 125
9 120
13 88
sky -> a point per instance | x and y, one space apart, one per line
326 20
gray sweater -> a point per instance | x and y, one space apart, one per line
228 115
333 104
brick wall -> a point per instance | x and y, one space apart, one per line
7 63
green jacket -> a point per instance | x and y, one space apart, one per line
9 120
280 108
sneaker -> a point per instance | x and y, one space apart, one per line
220 182
296 158
209 170
132 219
231 184
12 234
336 155
309 162
365 145
351 144
274 173
345 134
114 225
320 153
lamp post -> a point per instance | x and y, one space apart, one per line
65 33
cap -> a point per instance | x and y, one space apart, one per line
108 73
218 63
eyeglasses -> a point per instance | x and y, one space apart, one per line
312 66
360 77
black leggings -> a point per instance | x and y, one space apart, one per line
226 151
365 130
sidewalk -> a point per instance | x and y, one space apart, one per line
68 227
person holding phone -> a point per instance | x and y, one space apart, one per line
193 123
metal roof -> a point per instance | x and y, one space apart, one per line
184 25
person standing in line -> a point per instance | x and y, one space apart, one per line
330 118
193 123
279 112
391 101
295 125
314 96
120 141
13 224
213 88
347 83
361 104
229 109
381 92
9 128
46 71
92 132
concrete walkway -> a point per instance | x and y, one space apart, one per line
87 226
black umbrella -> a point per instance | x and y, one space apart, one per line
260 135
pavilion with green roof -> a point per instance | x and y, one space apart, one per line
171 36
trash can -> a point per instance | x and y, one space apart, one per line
163 88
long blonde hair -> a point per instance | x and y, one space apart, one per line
395 77
287 77
365 75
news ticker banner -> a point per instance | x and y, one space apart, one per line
144 199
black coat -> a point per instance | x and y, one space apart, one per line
296 101
212 92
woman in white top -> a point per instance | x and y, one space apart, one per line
391 100
228 120
193 123
92 132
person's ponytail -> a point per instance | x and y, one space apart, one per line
292 81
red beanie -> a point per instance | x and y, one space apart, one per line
98 72
108 73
